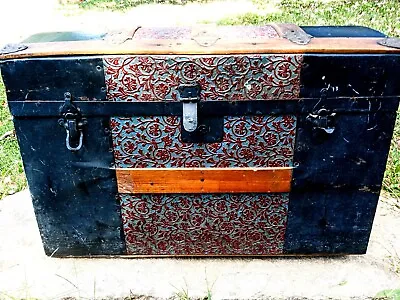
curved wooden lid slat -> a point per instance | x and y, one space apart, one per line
203 40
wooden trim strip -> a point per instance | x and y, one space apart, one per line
165 47
204 180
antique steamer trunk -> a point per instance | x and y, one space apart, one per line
220 141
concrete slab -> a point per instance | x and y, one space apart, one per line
25 271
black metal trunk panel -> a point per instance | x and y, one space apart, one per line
50 78
352 157
338 178
351 75
330 222
336 184
74 193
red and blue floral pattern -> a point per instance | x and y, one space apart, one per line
222 78
208 224
155 142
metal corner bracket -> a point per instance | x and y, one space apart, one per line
391 42
297 36
12 48
292 33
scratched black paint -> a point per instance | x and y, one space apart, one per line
73 193
50 78
350 75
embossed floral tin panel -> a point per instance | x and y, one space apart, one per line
156 142
210 224
222 78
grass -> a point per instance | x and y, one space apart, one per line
12 178
382 15
388 295
391 182
126 4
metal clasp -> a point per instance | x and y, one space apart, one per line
323 120
189 94
73 123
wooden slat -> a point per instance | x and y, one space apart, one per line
154 47
204 180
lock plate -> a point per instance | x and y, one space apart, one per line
189 118
196 127
189 94
209 130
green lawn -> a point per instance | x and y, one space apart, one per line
382 15
126 4
12 177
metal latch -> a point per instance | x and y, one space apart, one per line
73 123
189 94
323 121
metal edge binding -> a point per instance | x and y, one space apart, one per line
391 42
205 35
117 37
293 33
12 48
